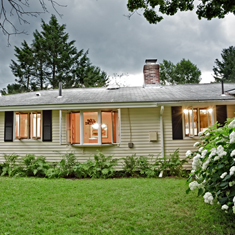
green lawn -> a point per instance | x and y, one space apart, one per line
113 206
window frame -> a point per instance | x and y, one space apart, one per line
198 119
29 127
99 111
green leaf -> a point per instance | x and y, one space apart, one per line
188 190
200 192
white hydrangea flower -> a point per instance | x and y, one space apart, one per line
194 185
196 162
201 133
196 144
205 164
213 152
232 170
232 137
223 175
220 151
231 124
233 209
208 133
234 199
188 153
200 149
208 198
216 158
224 207
232 153
204 153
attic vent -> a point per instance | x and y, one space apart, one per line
113 88
38 94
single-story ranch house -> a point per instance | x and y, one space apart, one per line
121 121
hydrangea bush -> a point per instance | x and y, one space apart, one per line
213 166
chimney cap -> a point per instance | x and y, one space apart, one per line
150 61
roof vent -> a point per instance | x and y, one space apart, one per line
113 87
38 94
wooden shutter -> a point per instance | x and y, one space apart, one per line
47 125
221 113
177 126
8 130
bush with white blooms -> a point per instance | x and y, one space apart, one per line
213 166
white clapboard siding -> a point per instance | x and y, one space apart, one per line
138 122
142 121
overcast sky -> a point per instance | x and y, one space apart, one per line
119 45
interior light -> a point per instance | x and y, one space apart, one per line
185 111
103 125
95 125
210 110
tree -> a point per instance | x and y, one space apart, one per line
52 58
13 10
205 9
225 69
184 72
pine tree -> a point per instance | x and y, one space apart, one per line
23 68
52 58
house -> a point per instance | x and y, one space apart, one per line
121 121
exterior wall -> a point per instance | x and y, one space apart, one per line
188 142
142 121
230 111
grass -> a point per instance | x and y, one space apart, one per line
113 206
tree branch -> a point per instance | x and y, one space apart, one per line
19 9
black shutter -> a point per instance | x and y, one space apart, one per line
47 125
221 113
177 126
8 130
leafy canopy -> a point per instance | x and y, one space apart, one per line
182 73
205 9
225 69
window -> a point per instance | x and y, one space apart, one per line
197 120
28 125
92 127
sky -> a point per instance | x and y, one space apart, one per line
119 45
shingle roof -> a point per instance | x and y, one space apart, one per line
173 93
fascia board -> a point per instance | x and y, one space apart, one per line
80 106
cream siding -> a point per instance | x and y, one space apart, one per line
138 123
142 121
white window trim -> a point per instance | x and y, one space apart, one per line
196 107
14 127
99 144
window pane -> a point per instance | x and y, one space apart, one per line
203 119
90 127
34 125
76 128
106 127
186 122
39 125
195 122
68 127
17 125
24 124
115 128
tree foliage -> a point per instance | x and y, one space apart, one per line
52 58
225 69
205 9
182 73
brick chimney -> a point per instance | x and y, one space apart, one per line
151 73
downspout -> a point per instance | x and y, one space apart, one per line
162 136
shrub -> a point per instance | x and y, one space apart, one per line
11 167
172 165
129 165
213 167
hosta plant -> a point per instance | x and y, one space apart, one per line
213 166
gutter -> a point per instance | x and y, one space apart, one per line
162 135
